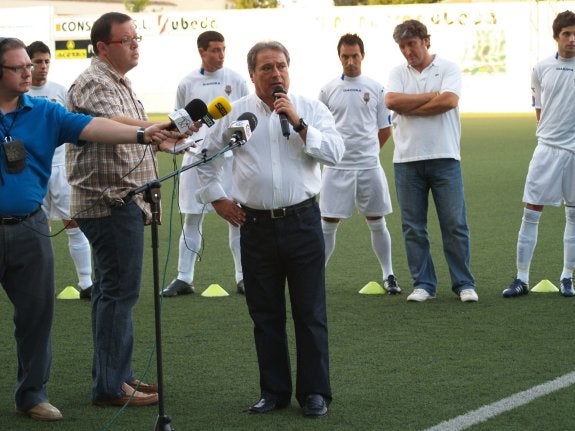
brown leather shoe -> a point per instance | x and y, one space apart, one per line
146 388
131 398
42 412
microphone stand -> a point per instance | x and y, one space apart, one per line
151 193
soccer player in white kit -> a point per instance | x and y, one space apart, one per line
358 180
57 201
551 175
211 80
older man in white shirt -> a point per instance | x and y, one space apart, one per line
276 177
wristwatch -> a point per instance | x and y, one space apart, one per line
140 136
300 126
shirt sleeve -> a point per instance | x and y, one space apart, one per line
323 142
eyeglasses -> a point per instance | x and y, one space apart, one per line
126 41
19 69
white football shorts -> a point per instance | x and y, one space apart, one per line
344 189
551 177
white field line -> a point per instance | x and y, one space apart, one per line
506 404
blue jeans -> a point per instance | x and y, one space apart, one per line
413 181
275 251
27 276
117 246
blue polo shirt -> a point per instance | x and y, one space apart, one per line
42 126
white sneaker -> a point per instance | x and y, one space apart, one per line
468 295
420 295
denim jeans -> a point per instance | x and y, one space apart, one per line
413 181
117 246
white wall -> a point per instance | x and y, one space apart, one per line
496 45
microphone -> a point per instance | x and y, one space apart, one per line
183 119
218 108
240 131
283 118
196 110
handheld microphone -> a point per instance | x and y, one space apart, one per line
183 119
218 108
283 118
240 131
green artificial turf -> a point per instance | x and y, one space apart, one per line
394 365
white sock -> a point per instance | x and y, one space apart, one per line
569 243
81 255
381 243
526 242
329 234
234 242
190 244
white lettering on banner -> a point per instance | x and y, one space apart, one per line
495 44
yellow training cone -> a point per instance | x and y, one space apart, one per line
372 288
544 286
214 290
69 292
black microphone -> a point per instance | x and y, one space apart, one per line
283 118
183 119
240 131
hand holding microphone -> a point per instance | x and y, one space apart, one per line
283 117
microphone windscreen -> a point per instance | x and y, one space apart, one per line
196 108
219 107
278 89
250 118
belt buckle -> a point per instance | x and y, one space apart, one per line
278 213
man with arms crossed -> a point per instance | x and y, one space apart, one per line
424 95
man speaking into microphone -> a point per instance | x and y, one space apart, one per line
210 81
275 180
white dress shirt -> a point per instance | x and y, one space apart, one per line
271 171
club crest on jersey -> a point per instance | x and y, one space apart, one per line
366 98
228 90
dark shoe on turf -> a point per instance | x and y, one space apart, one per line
240 287
177 287
566 287
315 406
516 288
267 404
86 293
391 285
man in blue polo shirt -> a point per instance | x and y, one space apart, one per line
30 131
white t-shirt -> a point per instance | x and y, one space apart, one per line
56 93
359 111
553 88
432 137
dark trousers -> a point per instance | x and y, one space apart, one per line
118 249
275 251
27 275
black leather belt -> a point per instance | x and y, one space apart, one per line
17 219
281 212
